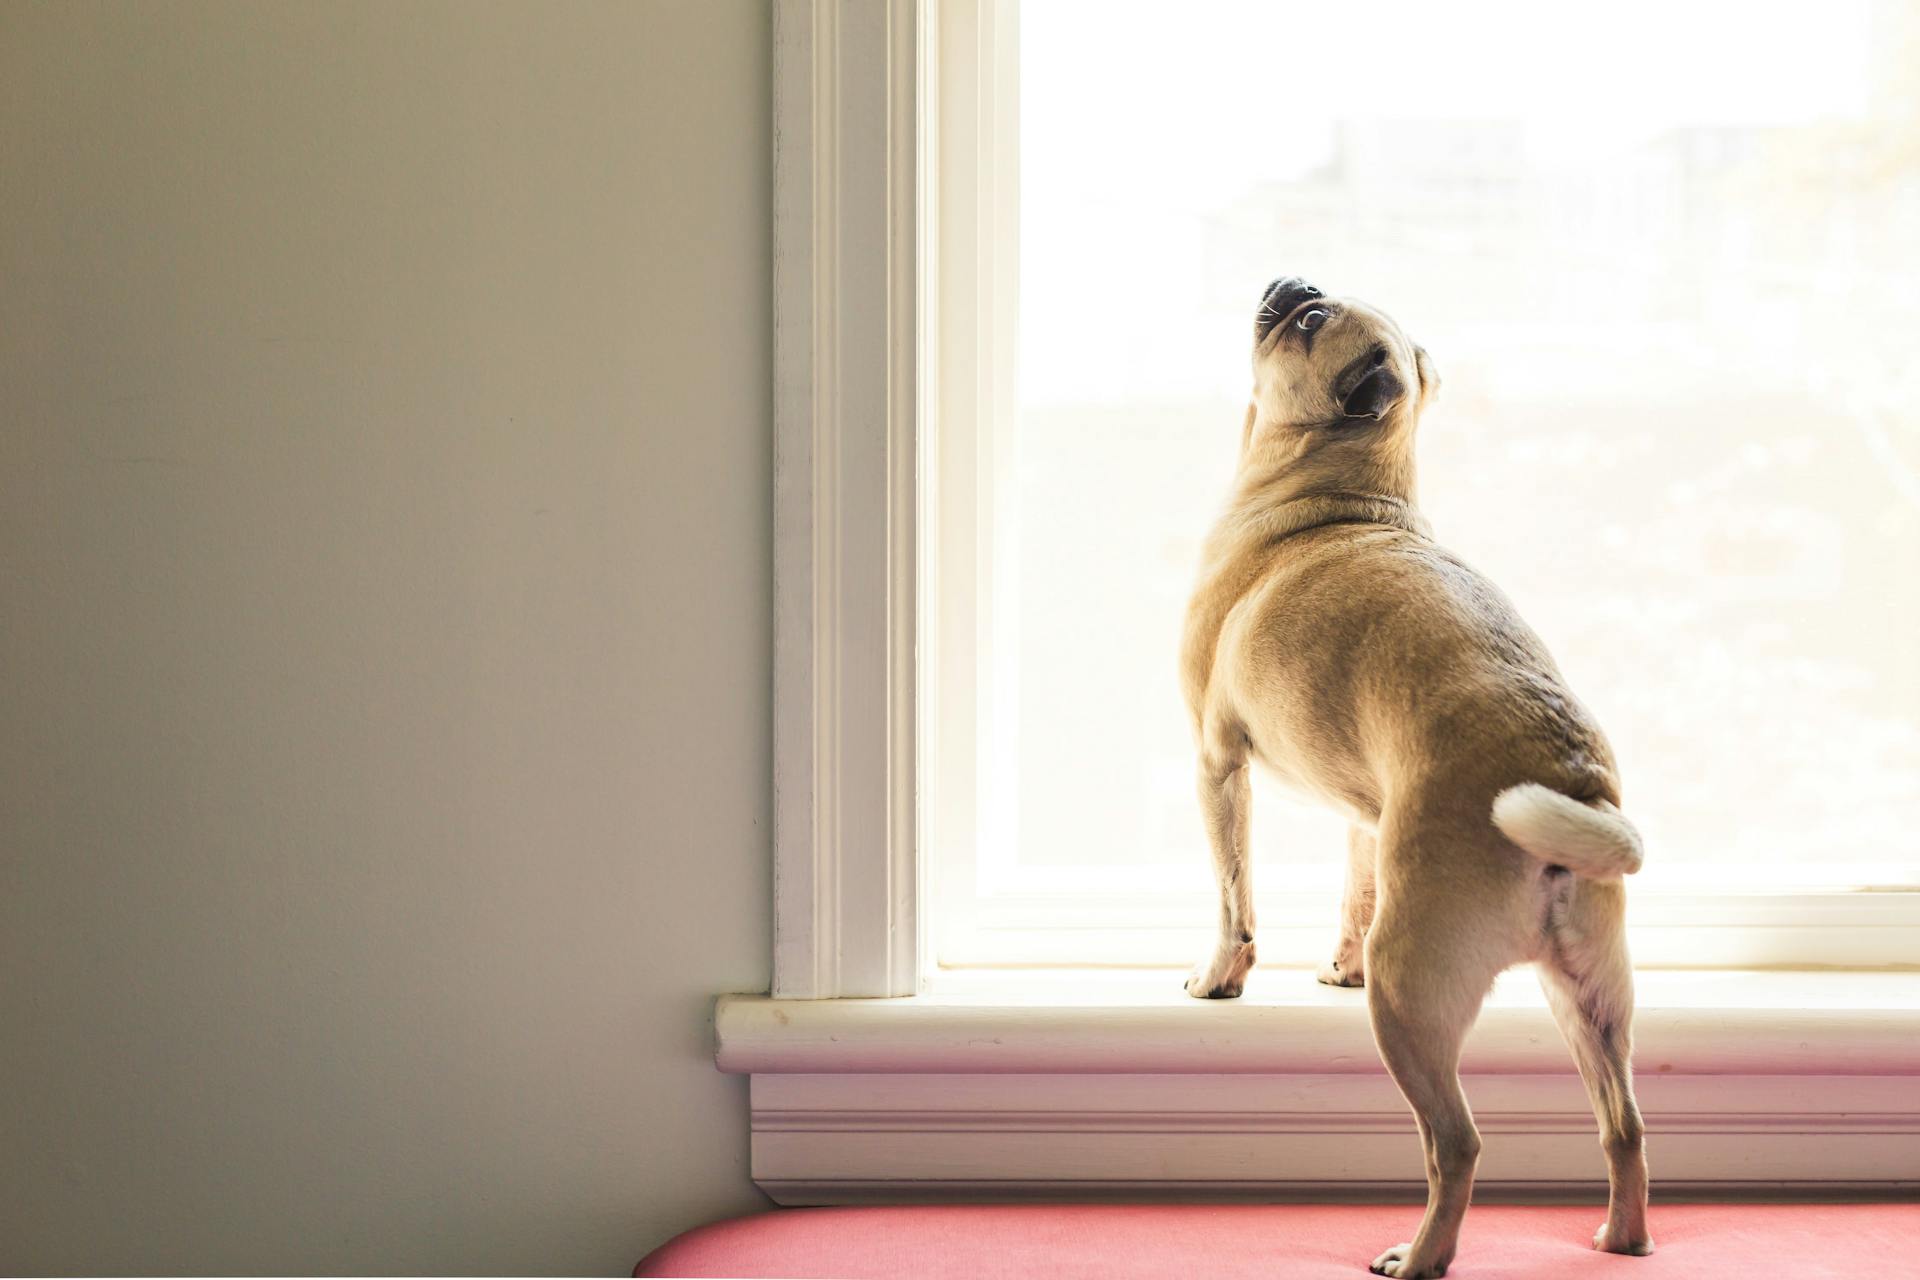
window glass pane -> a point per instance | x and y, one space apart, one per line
1664 256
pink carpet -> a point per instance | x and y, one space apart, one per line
1287 1242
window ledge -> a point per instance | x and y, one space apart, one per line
1688 1022
1114 1084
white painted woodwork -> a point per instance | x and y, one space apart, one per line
825 1139
894 277
845 411
1061 1083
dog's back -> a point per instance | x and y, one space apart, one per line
1366 659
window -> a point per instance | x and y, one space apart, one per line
981 311
1680 426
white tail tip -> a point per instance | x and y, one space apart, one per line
1588 839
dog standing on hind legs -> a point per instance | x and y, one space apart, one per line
1332 641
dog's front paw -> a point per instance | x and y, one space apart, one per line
1223 975
1604 1241
1399 1263
1336 974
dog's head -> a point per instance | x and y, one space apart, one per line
1336 365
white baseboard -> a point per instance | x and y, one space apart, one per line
925 1099
825 1139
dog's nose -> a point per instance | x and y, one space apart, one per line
1280 297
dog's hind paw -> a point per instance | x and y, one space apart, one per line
1397 1262
1607 1244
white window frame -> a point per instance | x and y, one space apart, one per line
991 1087
846 412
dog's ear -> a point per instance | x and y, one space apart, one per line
1429 376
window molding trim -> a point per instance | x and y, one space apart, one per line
1035 1095
846 198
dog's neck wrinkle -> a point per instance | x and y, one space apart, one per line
1268 524
1299 461
1291 483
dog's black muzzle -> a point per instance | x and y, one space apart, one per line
1281 297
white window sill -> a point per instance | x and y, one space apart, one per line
1688 1021
1114 1082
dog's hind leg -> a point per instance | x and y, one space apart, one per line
1348 966
1225 803
1588 979
1423 991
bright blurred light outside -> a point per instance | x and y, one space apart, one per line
1664 257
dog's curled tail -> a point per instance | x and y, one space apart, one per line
1590 840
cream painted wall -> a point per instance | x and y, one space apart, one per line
384 630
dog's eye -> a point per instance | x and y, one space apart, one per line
1311 320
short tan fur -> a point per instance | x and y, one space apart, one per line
1335 643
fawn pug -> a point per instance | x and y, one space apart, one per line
1333 641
